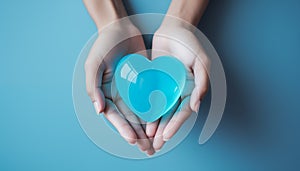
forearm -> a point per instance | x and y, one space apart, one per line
104 12
190 11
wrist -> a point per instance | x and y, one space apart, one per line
190 11
110 12
120 25
105 12
173 24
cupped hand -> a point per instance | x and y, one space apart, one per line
110 46
179 41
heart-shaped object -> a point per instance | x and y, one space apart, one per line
150 88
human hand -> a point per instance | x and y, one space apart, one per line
176 39
99 68
110 46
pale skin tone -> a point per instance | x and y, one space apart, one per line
100 67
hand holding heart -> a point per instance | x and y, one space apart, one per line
177 40
99 69
101 65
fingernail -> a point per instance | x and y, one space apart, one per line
197 106
150 152
166 139
149 135
133 144
97 108
149 155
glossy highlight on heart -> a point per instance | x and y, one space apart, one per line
150 88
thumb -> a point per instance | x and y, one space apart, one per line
93 74
98 101
201 85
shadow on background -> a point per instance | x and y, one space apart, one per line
239 122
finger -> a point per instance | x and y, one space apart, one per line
142 140
158 141
181 115
123 127
151 151
151 128
93 75
201 85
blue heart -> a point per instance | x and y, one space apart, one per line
150 88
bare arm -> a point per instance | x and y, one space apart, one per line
104 12
189 10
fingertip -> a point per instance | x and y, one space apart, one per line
101 102
158 143
130 138
150 152
96 106
99 107
143 149
168 133
166 138
149 135
128 135
149 132
196 106
151 129
157 148
131 141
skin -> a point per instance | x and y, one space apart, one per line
101 63
197 64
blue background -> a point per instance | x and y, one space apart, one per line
258 42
